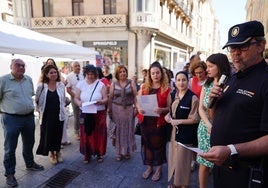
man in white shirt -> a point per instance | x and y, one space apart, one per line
72 79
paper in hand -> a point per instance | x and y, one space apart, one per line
194 149
89 107
148 103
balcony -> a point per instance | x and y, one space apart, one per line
151 22
147 20
180 8
95 21
175 34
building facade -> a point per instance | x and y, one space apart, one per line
257 10
134 32
6 10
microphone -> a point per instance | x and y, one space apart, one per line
222 82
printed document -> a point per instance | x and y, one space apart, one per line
148 103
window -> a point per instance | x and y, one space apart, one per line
78 7
139 5
47 8
145 5
109 6
149 5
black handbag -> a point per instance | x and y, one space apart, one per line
138 129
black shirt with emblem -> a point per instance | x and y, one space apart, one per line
241 113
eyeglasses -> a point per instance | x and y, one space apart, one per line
77 77
243 47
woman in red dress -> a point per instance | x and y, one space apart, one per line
153 129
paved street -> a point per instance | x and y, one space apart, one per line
110 173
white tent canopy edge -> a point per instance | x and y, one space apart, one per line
18 40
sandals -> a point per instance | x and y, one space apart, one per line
100 159
147 173
119 157
127 156
157 176
86 159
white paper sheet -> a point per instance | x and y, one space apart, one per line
194 149
89 107
88 103
148 103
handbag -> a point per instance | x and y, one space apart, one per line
138 129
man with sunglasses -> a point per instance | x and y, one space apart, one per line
72 79
239 136
17 118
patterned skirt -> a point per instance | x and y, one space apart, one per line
154 139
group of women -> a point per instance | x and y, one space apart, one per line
189 116
187 112
184 109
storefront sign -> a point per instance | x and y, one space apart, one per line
104 43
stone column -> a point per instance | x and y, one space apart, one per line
143 50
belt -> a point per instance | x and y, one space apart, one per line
19 115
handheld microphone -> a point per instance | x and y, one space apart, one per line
222 82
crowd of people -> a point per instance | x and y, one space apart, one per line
231 132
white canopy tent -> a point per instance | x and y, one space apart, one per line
35 48
18 40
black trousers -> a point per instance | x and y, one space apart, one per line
237 177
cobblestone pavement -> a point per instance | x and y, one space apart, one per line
110 173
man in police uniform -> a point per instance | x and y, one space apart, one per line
239 136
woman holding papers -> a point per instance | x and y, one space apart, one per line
153 127
122 99
91 97
50 103
184 118
217 64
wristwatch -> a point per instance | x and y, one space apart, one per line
233 156
233 150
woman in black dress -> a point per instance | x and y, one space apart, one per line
50 100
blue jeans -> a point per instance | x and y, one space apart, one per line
13 126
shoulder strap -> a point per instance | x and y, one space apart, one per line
93 90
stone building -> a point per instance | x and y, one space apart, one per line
135 32
257 10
